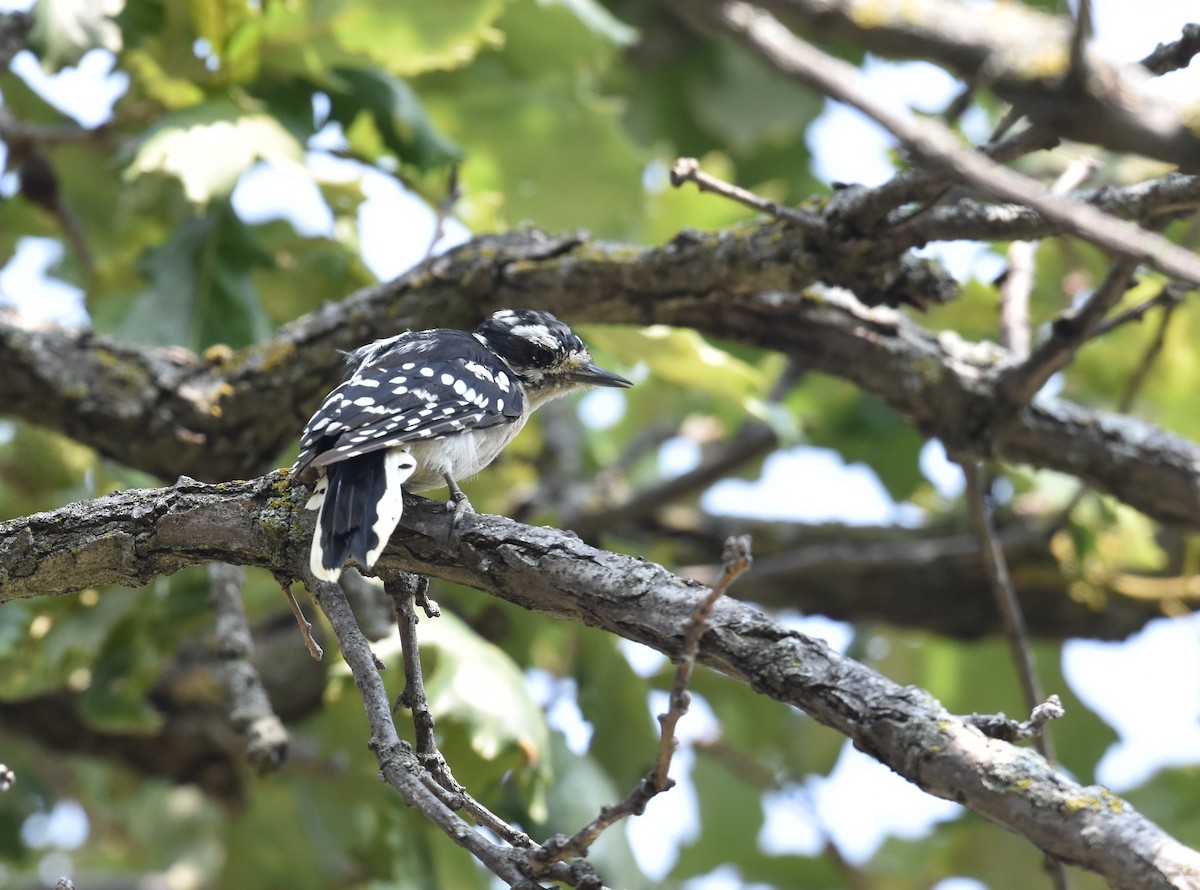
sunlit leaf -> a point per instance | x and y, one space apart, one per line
411 36
207 147
69 29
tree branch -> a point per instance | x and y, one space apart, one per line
250 709
742 289
131 537
1022 55
936 144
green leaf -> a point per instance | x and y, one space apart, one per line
683 357
580 789
200 289
613 699
399 118
216 21
863 429
731 816
408 37
543 145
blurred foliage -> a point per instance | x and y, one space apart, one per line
559 114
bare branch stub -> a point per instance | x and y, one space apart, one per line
250 708
997 726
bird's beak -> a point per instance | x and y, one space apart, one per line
593 375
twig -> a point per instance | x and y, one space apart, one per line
688 170
249 705
1169 57
1169 296
1069 331
1014 298
936 143
406 591
753 440
314 648
1015 630
736 560
1079 37
1018 280
397 762
444 209
997 726
1005 595
401 588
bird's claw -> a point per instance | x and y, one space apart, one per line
459 504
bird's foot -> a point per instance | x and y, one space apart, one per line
459 504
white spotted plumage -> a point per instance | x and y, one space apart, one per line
427 407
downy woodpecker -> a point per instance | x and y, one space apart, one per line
427 408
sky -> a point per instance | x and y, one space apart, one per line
1156 723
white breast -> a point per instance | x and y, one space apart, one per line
461 455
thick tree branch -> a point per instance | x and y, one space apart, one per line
864 574
131 537
935 143
741 285
1021 54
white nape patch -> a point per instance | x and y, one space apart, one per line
398 465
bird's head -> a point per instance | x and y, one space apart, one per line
547 357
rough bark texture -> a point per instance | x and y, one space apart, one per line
133 536
169 412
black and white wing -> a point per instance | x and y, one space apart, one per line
414 387
373 432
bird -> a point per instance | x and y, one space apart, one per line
423 409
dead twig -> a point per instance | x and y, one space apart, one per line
688 170
736 560
314 648
406 592
997 726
